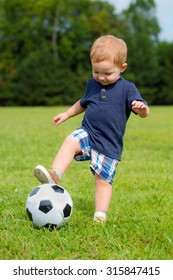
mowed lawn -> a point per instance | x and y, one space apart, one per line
140 219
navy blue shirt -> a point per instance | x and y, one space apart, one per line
107 111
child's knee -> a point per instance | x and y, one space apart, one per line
100 181
73 143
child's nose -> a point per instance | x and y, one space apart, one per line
101 78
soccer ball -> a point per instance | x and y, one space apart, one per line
49 205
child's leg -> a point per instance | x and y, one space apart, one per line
104 169
64 157
103 194
66 153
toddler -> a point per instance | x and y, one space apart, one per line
108 102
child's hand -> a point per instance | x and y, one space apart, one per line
60 118
140 108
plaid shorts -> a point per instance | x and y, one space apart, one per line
104 166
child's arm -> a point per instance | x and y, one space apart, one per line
71 112
140 108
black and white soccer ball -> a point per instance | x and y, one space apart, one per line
49 205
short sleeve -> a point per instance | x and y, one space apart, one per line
133 94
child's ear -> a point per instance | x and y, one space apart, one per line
124 67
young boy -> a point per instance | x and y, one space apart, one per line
108 101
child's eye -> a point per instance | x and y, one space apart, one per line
108 74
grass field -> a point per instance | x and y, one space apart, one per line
140 218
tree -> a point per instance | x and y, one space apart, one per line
45 44
62 30
142 40
164 84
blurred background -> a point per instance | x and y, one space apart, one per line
45 45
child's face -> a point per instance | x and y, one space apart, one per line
106 72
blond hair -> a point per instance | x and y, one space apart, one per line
109 48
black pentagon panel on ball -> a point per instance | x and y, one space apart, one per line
29 214
58 189
34 191
45 206
67 211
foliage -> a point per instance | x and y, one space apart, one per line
143 35
164 83
139 223
44 46
44 84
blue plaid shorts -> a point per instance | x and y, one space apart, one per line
104 166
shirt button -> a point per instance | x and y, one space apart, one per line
103 89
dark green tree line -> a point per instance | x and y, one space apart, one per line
44 49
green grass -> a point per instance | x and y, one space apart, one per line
140 218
